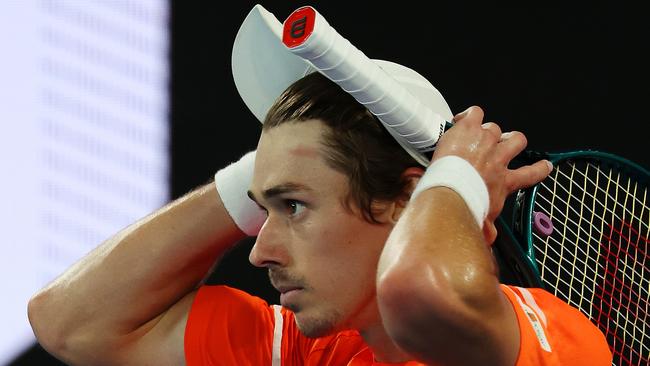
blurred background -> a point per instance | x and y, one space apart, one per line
110 108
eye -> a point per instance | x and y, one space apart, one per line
294 207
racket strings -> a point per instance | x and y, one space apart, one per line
583 233
582 296
598 206
597 258
592 194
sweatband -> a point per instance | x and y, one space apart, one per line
232 184
457 174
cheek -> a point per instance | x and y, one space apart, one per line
341 236
345 251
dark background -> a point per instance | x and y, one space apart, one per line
570 76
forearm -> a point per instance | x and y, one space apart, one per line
436 258
137 274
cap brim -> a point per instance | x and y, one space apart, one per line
262 67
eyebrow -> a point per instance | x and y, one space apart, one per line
279 189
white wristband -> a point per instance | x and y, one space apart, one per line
232 184
456 173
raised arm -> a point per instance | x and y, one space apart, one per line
438 287
126 302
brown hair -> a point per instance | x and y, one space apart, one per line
356 143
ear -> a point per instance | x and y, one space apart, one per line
391 211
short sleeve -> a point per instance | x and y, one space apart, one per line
554 333
227 326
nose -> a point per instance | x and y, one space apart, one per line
269 249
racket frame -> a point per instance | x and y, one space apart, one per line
516 247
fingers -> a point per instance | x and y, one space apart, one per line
473 114
494 130
489 232
510 145
529 175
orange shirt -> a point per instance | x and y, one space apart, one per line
555 333
227 326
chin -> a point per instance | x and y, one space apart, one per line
319 325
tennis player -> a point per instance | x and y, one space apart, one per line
378 259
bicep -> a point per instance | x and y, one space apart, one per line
477 335
161 340
486 335
456 312
436 325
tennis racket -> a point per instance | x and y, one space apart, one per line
413 124
582 234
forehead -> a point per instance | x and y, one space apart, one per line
291 152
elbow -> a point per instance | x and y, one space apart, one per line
391 300
423 310
407 299
60 338
43 325
74 337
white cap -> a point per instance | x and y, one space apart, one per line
263 68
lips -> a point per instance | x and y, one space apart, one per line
288 298
288 295
287 288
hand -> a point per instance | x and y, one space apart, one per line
490 151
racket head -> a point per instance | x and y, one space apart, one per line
582 234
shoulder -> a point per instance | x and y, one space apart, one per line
228 324
553 331
226 306
220 297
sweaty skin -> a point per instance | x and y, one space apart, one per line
127 301
312 241
437 257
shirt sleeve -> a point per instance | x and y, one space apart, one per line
554 333
227 326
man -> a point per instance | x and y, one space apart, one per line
377 259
